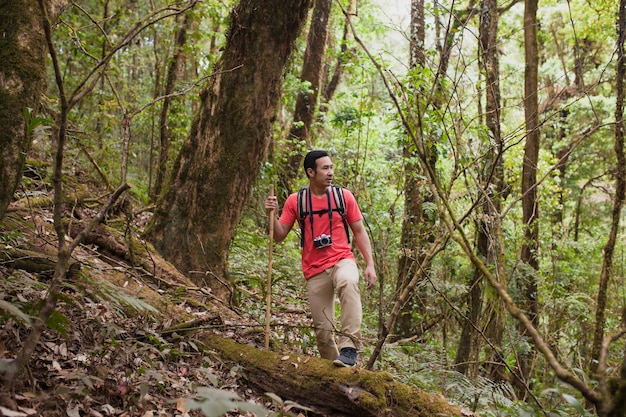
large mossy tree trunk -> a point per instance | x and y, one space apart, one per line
212 178
22 81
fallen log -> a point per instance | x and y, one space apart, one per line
32 261
27 260
332 391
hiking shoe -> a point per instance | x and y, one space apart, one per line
346 358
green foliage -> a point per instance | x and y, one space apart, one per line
134 79
560 401
12 239
426 367
59 323
36 125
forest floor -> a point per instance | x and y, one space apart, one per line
130 334
126 337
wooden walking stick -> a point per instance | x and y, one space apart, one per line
268 290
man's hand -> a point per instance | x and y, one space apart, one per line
271 203
280 229
370 276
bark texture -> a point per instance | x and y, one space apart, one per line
195 220
531 154
530 207
22 81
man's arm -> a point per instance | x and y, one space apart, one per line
280 230
362 241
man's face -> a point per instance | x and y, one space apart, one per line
323 175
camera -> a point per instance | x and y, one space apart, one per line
322 241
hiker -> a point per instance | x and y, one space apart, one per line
328 264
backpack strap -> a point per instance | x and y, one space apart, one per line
302 212
340 202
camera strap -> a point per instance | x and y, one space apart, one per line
311 213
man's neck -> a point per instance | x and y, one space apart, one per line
317 190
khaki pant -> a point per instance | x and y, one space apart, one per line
344 279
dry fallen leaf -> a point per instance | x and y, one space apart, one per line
73 411
28 411
179 406
10 413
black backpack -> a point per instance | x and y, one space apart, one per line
340 204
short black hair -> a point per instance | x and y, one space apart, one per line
310 160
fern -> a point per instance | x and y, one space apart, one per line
118 299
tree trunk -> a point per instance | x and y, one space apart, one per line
493 183
23 75
414 225
317 384
213 175
331 82
165 137
488 227
306 103
466 359
100 124
620 184
530 244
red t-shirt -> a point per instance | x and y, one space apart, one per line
316 260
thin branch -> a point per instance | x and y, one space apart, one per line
99 218
82 89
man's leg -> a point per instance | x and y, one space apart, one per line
322 301
346 282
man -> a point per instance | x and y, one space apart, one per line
328 264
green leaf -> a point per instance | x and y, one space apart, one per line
59 323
